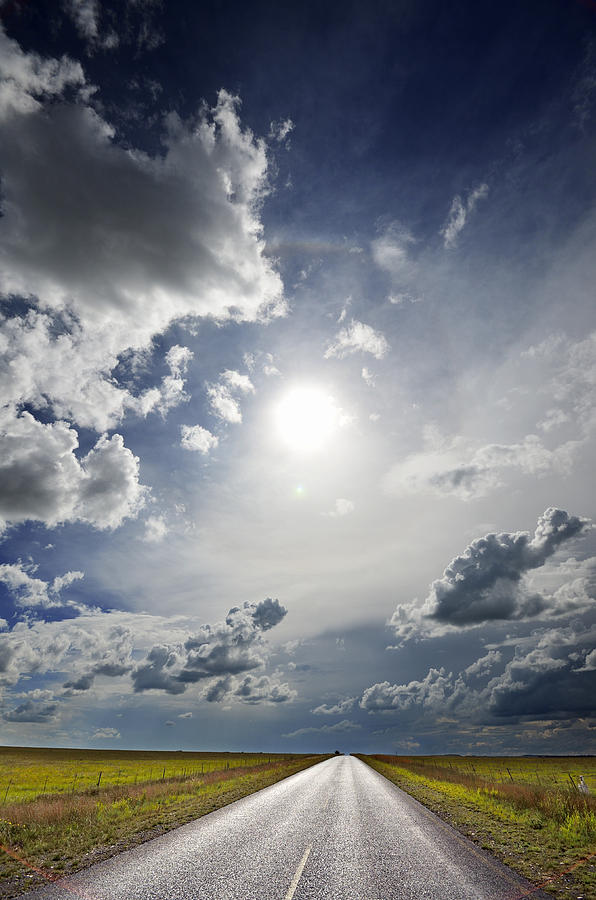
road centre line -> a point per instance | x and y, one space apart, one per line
298 873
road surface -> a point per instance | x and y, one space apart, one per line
337 831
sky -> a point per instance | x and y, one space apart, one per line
297 375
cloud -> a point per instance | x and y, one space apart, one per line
225 649
391 251
481 584
80 649
196 438
106 734
458 467
189 245
566 378
259 689
339 728
107 653
155 529
403 297
266 361
484 664
42 480
358 338
159 671
342 507
126 646
343 706
265 615
223 403
186 219
171 392
85 15
430 692
71 373
280 130
459 214
24 77
29 711
29 591
549 675
589 662
484 583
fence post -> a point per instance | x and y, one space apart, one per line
7 790
99 779
510 775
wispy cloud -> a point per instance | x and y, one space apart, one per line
460 212
339 728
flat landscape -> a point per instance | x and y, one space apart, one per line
62 811
337 831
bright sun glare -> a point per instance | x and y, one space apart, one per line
306 418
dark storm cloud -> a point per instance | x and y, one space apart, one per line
549 675
551 679
268 613
485 584
482 583
216 651
153 674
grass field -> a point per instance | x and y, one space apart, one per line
528 811
29 772
57 819
548 771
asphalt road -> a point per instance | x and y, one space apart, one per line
337 831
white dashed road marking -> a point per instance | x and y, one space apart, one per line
297 874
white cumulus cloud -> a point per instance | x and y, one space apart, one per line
357 337
197 438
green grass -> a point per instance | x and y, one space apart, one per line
534 819
29 772
547 771
50 835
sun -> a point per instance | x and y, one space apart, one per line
306 418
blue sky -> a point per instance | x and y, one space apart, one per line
298 363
